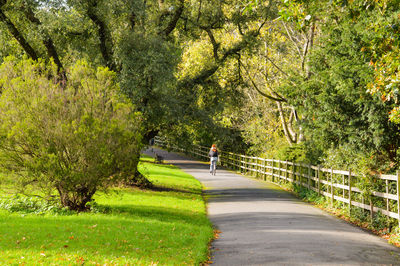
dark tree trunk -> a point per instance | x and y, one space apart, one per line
76 200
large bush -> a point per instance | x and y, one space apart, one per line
72 138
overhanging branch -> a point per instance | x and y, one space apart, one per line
207 72
279 98
17 35
172 24
47 41
104 36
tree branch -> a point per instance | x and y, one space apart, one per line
276 66
292 132
18 36
284 124
47 41
104 36
291 38
280 99
310 43
199 11
214 44
172 24
208 72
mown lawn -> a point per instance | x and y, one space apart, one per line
167 226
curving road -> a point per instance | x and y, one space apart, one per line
261 224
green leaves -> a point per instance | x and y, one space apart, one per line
69 138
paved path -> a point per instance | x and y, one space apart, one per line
261 224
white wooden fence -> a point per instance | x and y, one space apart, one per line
337 185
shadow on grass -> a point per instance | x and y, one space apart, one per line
159 192
169 189
166 173
163 165
162 214
129 229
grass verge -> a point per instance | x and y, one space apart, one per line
166 226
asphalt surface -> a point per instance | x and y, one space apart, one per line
261 224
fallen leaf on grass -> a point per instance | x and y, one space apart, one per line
80 260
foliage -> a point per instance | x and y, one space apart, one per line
383 51
335 106
147 77
287 79
294 153
74 139
34 205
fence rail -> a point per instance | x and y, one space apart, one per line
337 185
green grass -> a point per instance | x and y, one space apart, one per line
142 227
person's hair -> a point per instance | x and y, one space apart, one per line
214 146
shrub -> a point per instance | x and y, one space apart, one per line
295 153
24 204
73 138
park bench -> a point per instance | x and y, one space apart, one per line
158 158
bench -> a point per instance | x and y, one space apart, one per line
158 158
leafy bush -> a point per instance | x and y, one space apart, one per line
73 138
295 153
34 205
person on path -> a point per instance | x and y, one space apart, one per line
213 154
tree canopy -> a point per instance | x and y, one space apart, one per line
307 80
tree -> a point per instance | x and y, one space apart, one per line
383 50
73 139
279 54
213 35
338 113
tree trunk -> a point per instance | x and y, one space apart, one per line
284 124
76 200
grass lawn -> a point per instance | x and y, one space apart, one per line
168 226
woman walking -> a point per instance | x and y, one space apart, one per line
213 154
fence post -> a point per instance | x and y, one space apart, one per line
309 176
294 173
265 169
319 183
286 172
363 203
272 176
371 206
349 192
280 172
387 201
257 167
343 186
241 164
398 196
245 170
236 162
332 187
